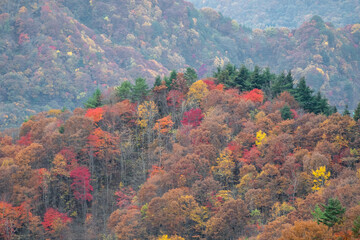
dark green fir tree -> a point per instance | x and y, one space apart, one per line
94 101
286 112
124 90
332 213
346 111
357 112
140 89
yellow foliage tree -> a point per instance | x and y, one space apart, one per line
320 178
260 138
197 91
166 237
146 113
225 165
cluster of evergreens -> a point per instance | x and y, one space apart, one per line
272 84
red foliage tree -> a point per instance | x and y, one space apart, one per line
95 114
192 117
25 140
125 196
81 183
175 98
212 85
255 95
55 220
23 38
70 157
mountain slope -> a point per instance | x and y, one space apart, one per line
55 53
284 13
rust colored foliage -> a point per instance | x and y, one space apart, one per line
55 220
95 114
13 220
155 170
192 117
81 183
175 98
101 141
255 95
164 125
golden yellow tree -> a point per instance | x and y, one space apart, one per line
225 165
260 138
320 178
146 113
197 91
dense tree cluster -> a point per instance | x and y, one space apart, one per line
54 54
217 162
272 84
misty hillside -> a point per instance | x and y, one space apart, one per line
54 54
284 13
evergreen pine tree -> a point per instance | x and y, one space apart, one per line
226 75
157 81
173 75
356 228
288 83
140 89
303 94
321 105
94 101
256 80
241 79
357 112
267 79
278 85
124 90
332 213
346 111
190 75
286 112
168 82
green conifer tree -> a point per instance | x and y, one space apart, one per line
140 89
157 81
346 111
332 213
288 83
303 94
241 79
256 79
124 90
356 228
357 112
94 101
278 85
286 112
190 75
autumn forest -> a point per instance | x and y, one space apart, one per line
101 139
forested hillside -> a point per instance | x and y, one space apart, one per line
244 155
283 13
54 54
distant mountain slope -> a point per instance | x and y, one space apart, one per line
55 53
284 13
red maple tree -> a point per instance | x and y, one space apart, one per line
192 117
81 183
53 220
